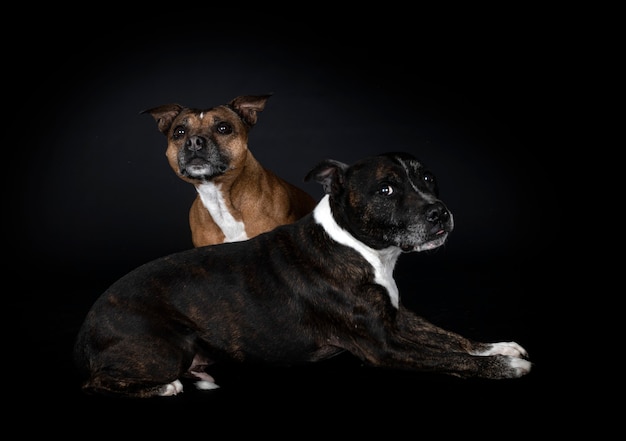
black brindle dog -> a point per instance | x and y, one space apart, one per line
302 292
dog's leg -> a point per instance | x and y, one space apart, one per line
105 384
140 365
426 333
491 360
412 343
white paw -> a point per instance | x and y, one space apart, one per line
206 381
173 388
521 366
205 385
509 348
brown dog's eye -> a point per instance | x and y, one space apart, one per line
224 128
178 132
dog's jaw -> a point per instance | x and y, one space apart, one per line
428 234
438 241
383 260
202 172
202 167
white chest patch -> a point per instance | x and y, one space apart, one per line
213 201
383 261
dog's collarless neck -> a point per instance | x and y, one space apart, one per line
383 261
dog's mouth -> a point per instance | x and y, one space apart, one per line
438 240
201 168
197 161
197 165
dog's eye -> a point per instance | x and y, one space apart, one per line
431 182
429 179
179 132
385 190
224 128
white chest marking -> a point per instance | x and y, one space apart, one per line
383 261
213 201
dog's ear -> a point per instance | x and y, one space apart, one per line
248 106
329 173
164 115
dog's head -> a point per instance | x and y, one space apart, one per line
203 144
386 200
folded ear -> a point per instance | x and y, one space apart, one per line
164 115
248 107
329 173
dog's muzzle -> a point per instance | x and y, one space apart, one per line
201 159
431 231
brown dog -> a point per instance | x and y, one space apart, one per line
237 197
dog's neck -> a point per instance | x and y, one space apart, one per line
383 260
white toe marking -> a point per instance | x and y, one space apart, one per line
505 348
521 366
515 353
205 385
206 381
173 388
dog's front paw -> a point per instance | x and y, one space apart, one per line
509 348
519 366
506 360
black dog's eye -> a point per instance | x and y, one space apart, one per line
385 190
429 179
178 132
224 128
431 182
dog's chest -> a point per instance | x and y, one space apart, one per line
383 263
213 200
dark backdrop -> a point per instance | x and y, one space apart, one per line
95 196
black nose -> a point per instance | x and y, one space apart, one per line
437 214
195 143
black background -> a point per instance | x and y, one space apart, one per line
95 196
